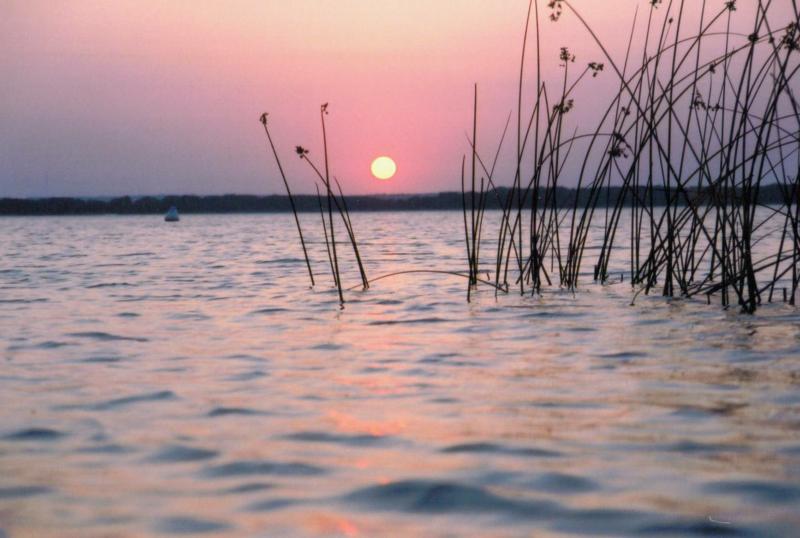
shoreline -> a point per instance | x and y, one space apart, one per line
253 204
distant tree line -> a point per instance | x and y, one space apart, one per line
238 203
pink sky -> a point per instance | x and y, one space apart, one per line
147 97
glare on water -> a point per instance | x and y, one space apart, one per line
168 379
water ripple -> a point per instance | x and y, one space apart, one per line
35 434
180 453
125 401
107 337
17 492
262 467
189 525
231 411
493 448
437 497
324 437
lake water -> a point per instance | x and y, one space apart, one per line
164 379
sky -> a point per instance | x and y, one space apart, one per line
136 97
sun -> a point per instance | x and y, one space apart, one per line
383 168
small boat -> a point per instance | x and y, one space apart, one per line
172 215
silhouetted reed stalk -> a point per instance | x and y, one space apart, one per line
323 111
327 242
263 119
476 207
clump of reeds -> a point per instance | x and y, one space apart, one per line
691 136
703 118
334 202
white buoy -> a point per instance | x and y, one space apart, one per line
172 215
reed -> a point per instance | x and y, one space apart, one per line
264 122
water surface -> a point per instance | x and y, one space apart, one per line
164 380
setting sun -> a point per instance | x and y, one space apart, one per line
383 168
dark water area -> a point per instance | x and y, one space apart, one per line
172 380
